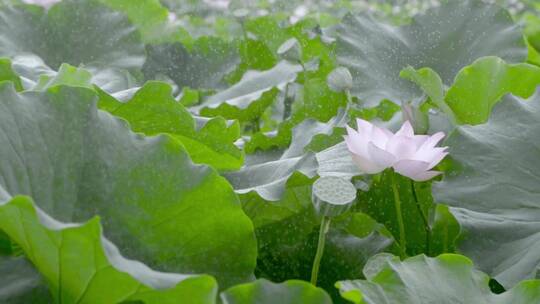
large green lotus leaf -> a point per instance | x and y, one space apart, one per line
247 99
267 174
318 102
23 30
446 279
314 47
7 74
20 283
76 161
6 246
34 74
153 110
268 177
79 265
532 29
267 29
428 80
151 19
445 39
275 139
533 56
95 34
31 70
445 231
203 66
478 87
67 75
494 192
254 55
265 292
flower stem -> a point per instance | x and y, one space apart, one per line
427 228
349 97
287 104
325 224
397 204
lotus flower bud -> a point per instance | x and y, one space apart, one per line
339 80
418 119
332 195
290 50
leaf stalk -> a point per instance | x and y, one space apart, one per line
399 214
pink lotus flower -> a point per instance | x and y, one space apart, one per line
374 149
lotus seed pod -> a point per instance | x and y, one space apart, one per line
418 119
332 195
339 80
290 50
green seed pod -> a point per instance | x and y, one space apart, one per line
290 50
339 80
332 195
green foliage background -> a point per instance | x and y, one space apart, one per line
164 151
